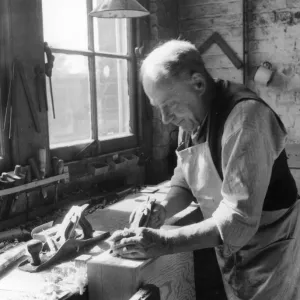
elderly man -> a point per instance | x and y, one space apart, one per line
231 159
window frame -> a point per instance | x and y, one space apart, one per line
114 143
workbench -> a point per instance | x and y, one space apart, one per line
18 285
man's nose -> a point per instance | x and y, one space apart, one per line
166 118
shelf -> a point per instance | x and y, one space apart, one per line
34 184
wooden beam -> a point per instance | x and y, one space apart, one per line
90 53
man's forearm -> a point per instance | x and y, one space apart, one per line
197 236
177 200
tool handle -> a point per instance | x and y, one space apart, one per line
34 247
21 71
34 168
50 60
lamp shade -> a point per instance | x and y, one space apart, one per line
119 9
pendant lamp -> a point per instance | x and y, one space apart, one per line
119 9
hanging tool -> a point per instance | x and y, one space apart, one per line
48 72
40 87
37 174
9 107
142 217
20 70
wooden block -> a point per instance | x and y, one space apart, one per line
82 260
113 278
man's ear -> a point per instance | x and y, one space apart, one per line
199 83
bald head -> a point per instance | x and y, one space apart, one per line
172 59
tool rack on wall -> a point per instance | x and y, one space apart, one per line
35 184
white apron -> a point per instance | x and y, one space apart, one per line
268 267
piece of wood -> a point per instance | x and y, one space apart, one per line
82 260
30 102
147 292
113 278
173 274
216 38
227 50
206 45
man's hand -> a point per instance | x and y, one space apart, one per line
141 243
156 219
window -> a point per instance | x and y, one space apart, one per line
92 79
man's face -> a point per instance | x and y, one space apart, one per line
178 102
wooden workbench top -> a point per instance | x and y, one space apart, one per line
19 285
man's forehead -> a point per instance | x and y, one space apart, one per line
156 89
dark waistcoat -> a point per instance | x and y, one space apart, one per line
282 190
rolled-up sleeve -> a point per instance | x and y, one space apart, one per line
178 178
251 143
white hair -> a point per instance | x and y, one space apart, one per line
172 59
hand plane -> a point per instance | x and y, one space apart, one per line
53 245
142 217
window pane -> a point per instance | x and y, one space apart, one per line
112 96
70 82
110 34
65 23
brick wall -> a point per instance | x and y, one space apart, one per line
274 28
273 31
273 35
199 19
